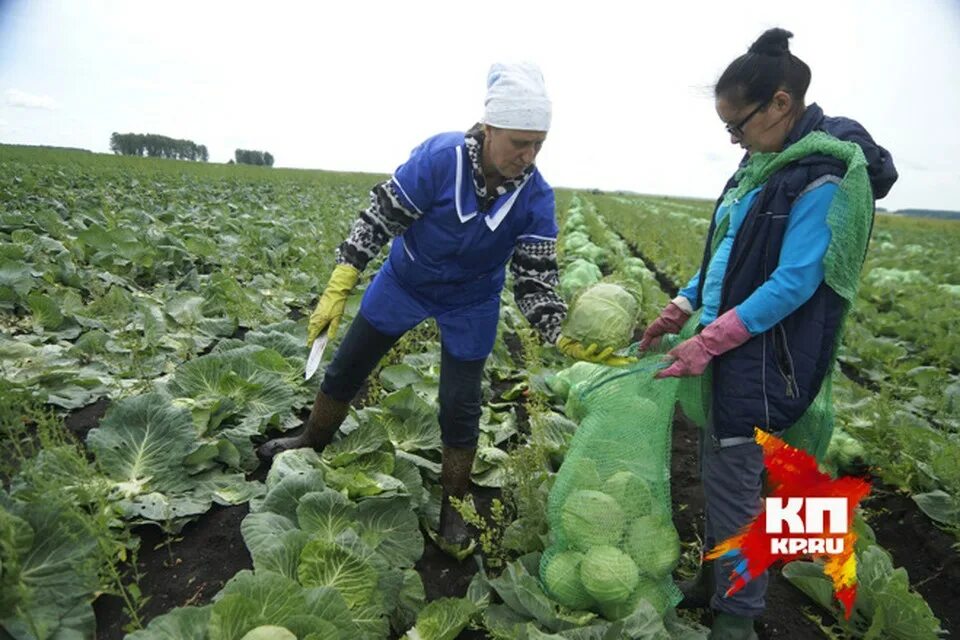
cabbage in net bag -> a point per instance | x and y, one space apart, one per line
613 539
609 511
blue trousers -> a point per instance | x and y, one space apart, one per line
364 346
732 486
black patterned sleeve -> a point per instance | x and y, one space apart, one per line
534 268
385 218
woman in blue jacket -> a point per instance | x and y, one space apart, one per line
779 272
458 210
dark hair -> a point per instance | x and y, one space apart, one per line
767 67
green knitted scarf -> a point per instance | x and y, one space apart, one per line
851 212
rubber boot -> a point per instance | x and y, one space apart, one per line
325 419
455 480
727 626
698 591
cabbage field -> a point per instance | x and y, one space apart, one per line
152 332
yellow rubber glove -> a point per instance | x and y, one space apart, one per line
330 307
592 353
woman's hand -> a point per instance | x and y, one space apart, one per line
330 308
670 320
691 357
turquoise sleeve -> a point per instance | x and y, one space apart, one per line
690 291
800 270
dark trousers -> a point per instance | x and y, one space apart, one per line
460 381
732 486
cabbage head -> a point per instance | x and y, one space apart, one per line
578 275
575 240
591 253
562 577
269 632
574 222
591 518
583 473
608 574
845 451
631 492
604 314
647 589
562 381
653 543
635 269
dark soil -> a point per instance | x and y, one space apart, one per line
188 571
853 374
80 421
445 577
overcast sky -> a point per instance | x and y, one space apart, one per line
354 85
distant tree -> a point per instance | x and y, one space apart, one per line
156 146
257 158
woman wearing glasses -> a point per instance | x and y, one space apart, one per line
779 272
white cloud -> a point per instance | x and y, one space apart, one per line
145 85
24 100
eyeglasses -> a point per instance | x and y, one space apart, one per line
736 130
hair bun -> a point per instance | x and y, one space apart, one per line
773 42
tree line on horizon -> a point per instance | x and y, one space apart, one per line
153 145
249 156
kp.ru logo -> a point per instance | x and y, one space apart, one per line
801 517
807 513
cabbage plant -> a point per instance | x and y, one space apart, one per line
605 314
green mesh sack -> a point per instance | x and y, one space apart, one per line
578 275
562 381
812 432
613 541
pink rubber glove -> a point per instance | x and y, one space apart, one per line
692 356
671 320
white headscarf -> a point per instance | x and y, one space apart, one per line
517 97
